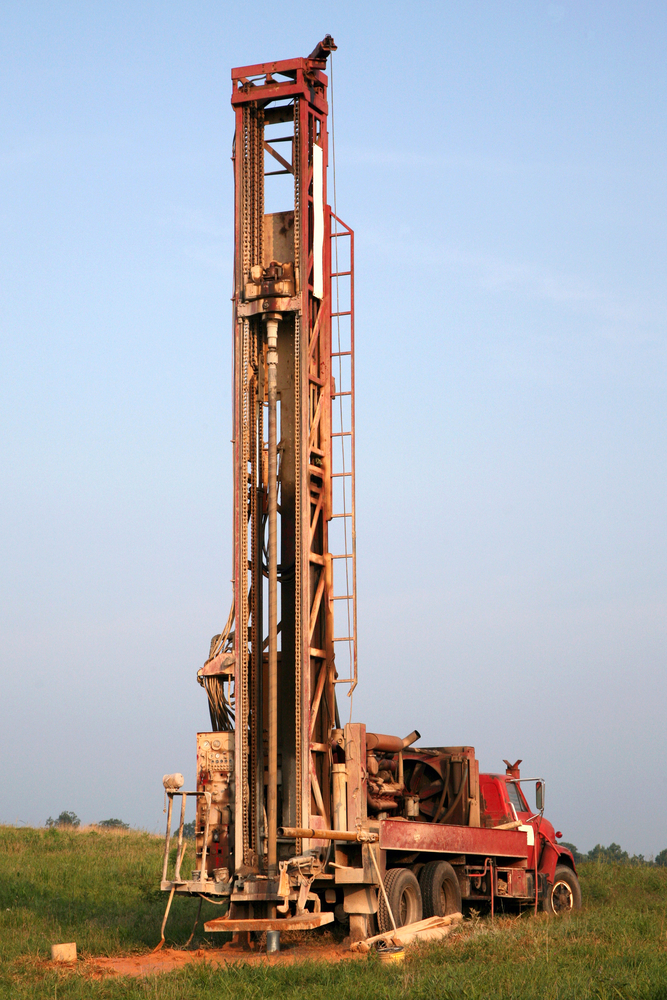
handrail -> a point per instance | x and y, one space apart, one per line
180 849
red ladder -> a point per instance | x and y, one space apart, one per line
342 527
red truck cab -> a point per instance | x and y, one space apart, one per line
503 805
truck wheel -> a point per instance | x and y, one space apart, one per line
564 896
404 897
441 893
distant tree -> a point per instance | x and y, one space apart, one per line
113 824
189 829
65 819
661 859
614 853
573 850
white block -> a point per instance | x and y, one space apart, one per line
63 952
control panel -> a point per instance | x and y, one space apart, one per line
214 752
215 767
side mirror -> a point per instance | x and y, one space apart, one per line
539 796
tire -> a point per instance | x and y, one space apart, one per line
404 897
564 896
417 870
441 892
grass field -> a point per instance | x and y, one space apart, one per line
99 889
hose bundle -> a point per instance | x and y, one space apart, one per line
219 687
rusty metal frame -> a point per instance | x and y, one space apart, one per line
397 835
301 86
318 713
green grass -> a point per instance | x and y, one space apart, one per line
99 889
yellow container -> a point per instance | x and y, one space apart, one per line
392 956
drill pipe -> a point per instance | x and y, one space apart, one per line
299 832
272 365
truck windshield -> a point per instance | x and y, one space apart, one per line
515 797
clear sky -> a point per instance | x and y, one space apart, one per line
503 165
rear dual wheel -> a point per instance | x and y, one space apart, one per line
441 893
405 900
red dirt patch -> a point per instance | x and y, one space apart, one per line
169 959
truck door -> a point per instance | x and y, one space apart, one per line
520 808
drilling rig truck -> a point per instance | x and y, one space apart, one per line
300 819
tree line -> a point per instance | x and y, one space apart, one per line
614 853
599 853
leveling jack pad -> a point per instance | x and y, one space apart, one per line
304 922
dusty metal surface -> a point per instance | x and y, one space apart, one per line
396 835
304 922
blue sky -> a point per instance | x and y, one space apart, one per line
503 167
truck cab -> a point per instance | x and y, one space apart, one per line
504 805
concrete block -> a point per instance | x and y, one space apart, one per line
63 952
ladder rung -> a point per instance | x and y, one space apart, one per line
348 312
343 597
342 434
347 555
344 638
340 354
337 475
344 680
342 515
334 394
336 274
